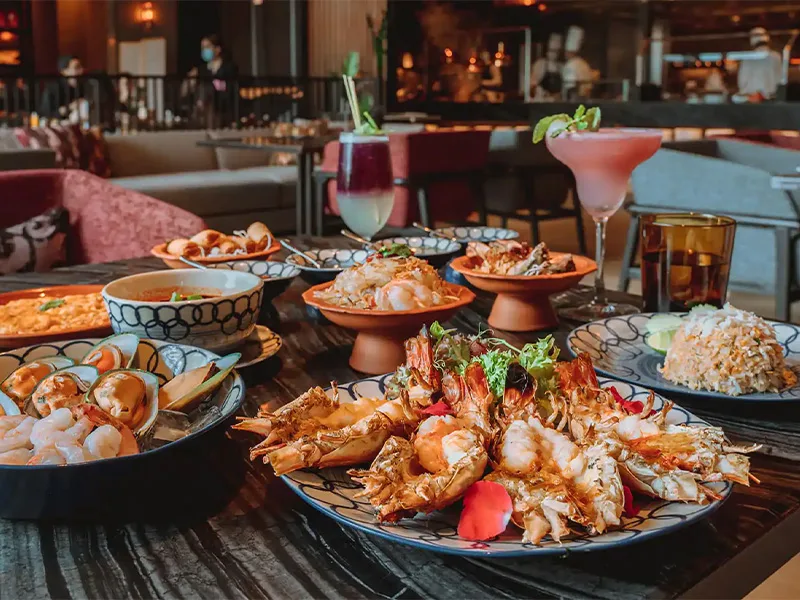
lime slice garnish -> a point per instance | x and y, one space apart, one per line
663 323
660 341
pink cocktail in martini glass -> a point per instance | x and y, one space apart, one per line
602 162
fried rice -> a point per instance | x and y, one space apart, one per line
390 284
730 351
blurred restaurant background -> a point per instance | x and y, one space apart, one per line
720 78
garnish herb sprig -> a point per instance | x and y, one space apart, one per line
582 120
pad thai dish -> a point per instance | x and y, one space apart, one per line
510 257
392 283
725 350
518 436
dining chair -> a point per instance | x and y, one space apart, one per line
733 178
438 176
526 182
107 222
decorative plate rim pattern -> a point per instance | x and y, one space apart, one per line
315 253
617 348
430 246
463 238
294 270
437 531
263 354
234 396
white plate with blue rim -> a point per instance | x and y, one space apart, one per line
618 349
333 262
465 235
332 492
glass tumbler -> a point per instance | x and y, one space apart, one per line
686 260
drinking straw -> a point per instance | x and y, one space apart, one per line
350 89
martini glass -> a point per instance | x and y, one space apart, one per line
364 189
602 162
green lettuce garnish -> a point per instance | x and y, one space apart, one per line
539 360
582 120
54 303
395 249
495 365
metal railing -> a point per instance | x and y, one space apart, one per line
133 102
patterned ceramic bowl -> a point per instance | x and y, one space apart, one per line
333 262
218 323
437 251
277 276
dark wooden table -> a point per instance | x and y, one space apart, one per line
305 148
234 530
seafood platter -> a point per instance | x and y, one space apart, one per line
103 404
385 299
210 246
53 313
478 448
523 277
714 353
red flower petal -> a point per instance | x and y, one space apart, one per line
486 512
630 509
440 409
633 407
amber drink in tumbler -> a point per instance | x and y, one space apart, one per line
686 260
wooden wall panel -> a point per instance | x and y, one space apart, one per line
336 27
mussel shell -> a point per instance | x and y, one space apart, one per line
86 375
7 403
127 343
186 402
151 397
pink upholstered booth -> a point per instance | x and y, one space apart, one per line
455 155
107 222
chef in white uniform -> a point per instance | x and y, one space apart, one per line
577 74
546 71
761 76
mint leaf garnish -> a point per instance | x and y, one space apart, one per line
54 303
582 120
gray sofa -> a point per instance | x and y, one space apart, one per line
729 177
228 188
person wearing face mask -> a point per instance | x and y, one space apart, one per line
62 96
214 83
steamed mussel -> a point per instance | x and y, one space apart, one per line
18 386
63 388
114 352
185 391
129 395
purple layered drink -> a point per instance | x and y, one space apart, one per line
364 189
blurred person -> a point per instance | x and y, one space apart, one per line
213 84
576 73
491 78
546 72
759 78
61 97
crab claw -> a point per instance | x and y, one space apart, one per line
486 513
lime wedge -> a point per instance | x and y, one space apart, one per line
663 323
660 341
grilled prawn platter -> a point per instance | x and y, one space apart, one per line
475 447
94 403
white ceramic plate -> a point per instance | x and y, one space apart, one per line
332 492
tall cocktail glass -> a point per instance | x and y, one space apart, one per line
602 162
364 189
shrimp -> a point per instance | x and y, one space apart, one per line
20 456
16 433
471 400
530 449
428 441
398 486
404 294
49 456
348 445
103 442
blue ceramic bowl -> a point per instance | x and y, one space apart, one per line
333 262
437 251
219 323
